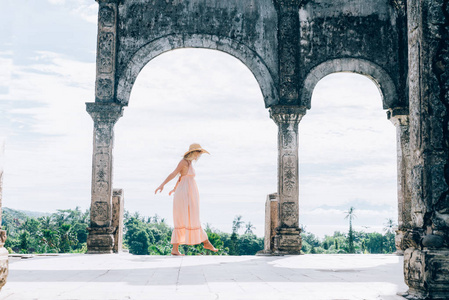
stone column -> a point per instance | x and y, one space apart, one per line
399 118
426 261
288 238
106 51
4 262
101 231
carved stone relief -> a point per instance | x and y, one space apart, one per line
106 16
106 52
103 134
105 88
289 213
100 211
289 179
289 139
102 167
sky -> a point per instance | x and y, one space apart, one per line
347 147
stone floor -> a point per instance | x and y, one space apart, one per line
126 276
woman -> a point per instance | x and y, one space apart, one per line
186 211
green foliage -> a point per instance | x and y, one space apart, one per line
152 236
66 231
61 232
339 243
375 243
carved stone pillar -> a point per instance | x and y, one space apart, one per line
289 50
4 262
399 118
426 261
288 238
101 231
106 51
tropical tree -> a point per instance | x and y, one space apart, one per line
390 244
389 226
237 223
249 228
350 215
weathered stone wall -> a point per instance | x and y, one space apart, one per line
427 261
364 30
244 29
429 120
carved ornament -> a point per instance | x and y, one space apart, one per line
106 16
398 116
105 52
282 114
108 113
100 211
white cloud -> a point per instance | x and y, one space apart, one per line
87 10
57 2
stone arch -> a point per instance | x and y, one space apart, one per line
379 76
161 45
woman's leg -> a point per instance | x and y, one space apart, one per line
208 245
175 250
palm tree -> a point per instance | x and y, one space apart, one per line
350 215
155 218
237 223
249 228
389 225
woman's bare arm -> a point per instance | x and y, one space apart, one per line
172 175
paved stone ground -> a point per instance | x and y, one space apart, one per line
126 276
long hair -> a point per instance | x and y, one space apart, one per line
192 155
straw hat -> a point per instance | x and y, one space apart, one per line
195 147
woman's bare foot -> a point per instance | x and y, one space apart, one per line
175 250
207 245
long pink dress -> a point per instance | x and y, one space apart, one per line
186 212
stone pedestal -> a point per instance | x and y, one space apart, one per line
426 273
117 218
101 231
288 239
100 240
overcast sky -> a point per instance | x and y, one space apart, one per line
47 73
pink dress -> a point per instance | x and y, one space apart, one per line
186 212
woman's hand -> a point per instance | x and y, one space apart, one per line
171 192
161 187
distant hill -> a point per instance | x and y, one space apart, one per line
23 214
